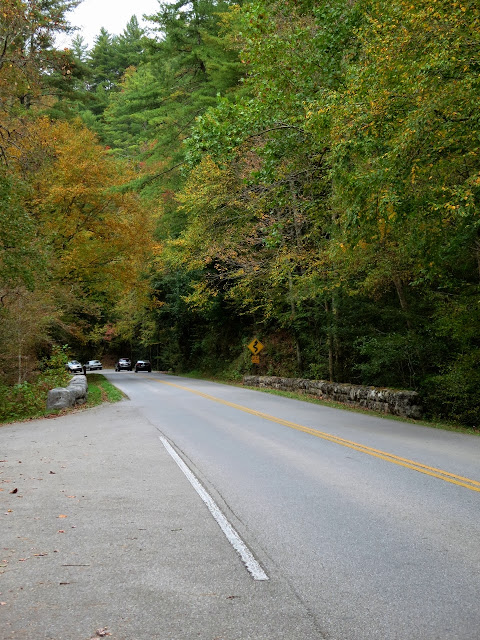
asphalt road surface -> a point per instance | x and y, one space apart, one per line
199 510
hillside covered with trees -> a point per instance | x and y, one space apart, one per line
301 171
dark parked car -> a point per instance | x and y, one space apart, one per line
73 366
124 364
143 365
91 365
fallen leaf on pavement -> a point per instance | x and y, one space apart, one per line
14 491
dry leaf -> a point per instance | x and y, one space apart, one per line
14 491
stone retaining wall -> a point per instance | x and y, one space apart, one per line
406 404
75 393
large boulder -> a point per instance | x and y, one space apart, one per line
75 393
59 398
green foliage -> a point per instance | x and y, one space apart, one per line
29 399
454 392
313 171
17 245
336 198
53 368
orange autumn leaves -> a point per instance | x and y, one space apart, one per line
93 231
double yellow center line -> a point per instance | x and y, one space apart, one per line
473 485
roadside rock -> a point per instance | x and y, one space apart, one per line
74 394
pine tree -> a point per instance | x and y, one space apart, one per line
130 45
31 69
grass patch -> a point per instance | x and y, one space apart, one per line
28 401
101 390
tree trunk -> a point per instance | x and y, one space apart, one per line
329 344
297 224
402 299
336 342
477 255
293 317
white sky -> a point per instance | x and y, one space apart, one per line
92 15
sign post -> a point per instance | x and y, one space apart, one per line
255 347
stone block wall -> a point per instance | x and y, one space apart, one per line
406 404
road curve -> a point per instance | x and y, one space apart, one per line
201 510
375 523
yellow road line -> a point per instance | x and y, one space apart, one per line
461 481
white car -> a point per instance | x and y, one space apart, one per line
91 365
74 366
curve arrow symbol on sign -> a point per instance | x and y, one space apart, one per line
255 346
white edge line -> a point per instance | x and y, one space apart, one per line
237 543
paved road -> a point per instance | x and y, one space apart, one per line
366 528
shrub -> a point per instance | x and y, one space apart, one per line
29 399
454 393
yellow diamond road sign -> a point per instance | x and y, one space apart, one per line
255 346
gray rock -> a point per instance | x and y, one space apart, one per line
74 394
59 398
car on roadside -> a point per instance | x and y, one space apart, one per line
143 365
92 365
73 366
123 364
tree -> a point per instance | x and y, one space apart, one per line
92 238
130 44
29 63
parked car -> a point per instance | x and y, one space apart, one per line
91 365
124 364
73 366
143 365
